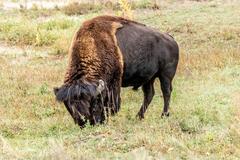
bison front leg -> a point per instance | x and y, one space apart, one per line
77 119
148 90
114 100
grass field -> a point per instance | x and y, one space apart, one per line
205 105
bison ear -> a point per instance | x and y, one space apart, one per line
61 93
55 90
100 86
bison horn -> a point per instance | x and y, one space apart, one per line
100 86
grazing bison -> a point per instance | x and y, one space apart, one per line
107 53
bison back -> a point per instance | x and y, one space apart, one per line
145 53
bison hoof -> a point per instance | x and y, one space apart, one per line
140 116
165 114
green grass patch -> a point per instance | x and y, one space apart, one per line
204 119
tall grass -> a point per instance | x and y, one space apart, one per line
75 8
25 32
125 9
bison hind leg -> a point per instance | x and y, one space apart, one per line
166 87
166 78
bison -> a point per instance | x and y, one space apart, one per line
108 53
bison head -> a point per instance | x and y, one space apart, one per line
83 100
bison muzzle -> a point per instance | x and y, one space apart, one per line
108 53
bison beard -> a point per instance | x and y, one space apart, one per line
76 96
107 53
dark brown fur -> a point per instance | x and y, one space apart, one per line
94 55
116 52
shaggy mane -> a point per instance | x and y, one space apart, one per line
69 92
